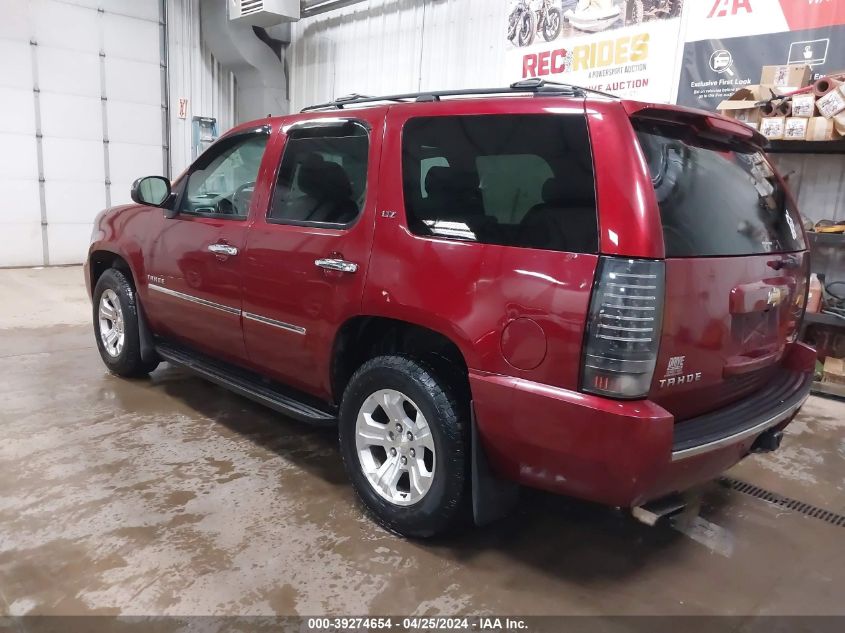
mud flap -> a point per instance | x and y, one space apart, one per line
145 337
492 497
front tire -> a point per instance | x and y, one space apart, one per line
404 443
116 326
527 29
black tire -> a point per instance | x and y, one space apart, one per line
553 25
128 361
527 29
513 24
444 507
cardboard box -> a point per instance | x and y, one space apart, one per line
832 103
839 123
797 75
773 127
820 129
795 129
742 106
804 105
834 370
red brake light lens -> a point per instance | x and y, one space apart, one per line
623 331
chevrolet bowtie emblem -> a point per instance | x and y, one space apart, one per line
776 296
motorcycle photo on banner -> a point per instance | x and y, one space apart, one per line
525 22
623 47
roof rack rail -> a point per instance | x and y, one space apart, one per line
534 85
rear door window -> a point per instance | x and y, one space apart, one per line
323 176
512 180
716 200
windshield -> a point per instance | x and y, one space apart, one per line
716 200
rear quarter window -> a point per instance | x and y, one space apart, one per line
511 180
716 200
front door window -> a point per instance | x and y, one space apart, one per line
222 184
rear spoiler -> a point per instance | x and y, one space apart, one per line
706 124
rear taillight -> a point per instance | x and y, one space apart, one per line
623 331
798 305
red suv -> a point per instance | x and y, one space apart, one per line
538 285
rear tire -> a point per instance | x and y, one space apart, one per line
115 312
414 479
553 25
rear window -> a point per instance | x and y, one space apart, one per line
512 180
716 200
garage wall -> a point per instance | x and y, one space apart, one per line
20 221
196 76
81 88
392 46
84 92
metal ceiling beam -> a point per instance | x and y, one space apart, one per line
316 7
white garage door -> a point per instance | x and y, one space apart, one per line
82 118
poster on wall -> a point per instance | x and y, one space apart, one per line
728 42
624 47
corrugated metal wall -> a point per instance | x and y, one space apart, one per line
196 76
816 181
389 46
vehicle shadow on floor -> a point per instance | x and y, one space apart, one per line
312 448
558 535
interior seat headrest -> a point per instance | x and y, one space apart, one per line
436 180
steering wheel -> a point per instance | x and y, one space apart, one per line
238 202
225 207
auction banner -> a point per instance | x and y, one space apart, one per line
627 48
729 41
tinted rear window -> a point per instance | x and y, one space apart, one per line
716 200
512 180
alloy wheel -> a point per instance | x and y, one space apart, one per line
111 321
395 447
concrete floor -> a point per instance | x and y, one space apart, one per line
172 496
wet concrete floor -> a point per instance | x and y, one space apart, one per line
172 496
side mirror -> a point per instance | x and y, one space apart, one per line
151 190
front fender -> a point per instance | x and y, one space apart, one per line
119 231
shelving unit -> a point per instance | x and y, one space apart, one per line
827 239
821 245
825 242
828 389
822 318
807 147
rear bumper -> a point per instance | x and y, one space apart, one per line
767 409
623 453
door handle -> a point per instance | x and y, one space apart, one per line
340 265
786 262
223 249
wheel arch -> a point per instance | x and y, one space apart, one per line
101 259
363 337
